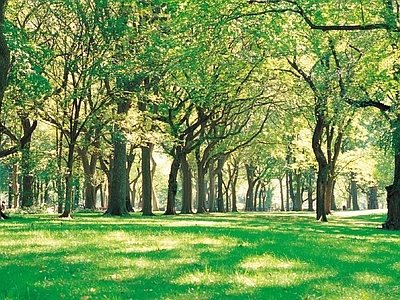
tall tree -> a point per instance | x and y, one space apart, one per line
4 53
383 16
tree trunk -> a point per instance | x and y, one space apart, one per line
323 167
220 191
187 198
281 194
4 55
14 186
298 199
27 177
117 197
393 191
373 198
250 188
60 187
89 168
333 199
147 185
329 194
68 182
393 205
129 162
201 191
233 189
173 182
310 190
287 190
153 166
211 188
257 187
290 188
353 192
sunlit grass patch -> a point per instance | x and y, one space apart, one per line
224 256
267 261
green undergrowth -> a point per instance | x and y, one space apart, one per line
212 256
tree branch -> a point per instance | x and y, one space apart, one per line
299 10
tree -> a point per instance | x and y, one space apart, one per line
4 54
382 17
5 64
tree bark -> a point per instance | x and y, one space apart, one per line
173 181
211 187
233 188
117 197
373 198
353 192
68 181
298 199
393 191
201 191
281 194
393 205
4 55
27 177
89 168
323 167
187 198
250 188
147 180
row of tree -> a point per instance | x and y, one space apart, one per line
271 87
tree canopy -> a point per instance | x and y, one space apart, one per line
303 93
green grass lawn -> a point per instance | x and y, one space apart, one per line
213 256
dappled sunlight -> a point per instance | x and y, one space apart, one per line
197 277
208 257
199 223
396 267
371 278
267 261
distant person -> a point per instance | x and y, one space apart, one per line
3 210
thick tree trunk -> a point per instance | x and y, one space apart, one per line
4 55
116 203
27 186
373 198
298 199
393 191
393 205
27 177
329 194
201 191
147 180
323 167
173 182
187 198
89 168
68 182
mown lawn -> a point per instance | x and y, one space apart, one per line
213 256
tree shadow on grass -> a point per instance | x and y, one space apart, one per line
242 256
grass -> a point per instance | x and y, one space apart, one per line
217 256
